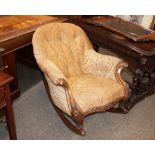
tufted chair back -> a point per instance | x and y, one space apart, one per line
64 45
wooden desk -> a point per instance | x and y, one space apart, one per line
16 32
5 102
139 55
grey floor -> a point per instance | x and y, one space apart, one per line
36 118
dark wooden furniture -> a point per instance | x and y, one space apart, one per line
5 102
139 55
1 49
15 33
124 28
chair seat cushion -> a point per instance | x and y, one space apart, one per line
93 93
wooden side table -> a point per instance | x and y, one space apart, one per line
5 102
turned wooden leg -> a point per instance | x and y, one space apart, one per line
10 115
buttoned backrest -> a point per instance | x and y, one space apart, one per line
64 44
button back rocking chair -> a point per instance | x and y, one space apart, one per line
80 80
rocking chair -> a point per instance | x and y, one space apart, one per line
80 80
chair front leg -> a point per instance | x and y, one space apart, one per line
78 119
76 114
121 108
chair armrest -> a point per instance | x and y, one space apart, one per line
51 71
74 110
120 66
99 64
105 66
57 77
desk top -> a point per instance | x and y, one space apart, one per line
124 28
14 26
16 31
97 34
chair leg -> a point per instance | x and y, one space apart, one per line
77 127
123 108
120 109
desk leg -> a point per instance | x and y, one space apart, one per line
10 115
143 83
9 60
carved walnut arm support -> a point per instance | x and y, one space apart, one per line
119 67
70 99
57 77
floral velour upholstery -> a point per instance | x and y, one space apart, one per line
64 53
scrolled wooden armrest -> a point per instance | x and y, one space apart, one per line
119 67
70 99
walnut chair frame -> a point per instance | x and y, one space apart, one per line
76 114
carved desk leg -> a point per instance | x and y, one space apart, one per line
143 82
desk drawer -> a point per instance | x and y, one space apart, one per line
2 99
